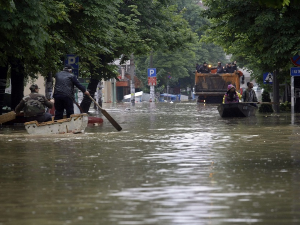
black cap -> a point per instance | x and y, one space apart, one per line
204 63
68 67
33 87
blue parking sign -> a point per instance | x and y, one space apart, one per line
151 72
72 60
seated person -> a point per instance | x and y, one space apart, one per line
204 68
34 106
231 96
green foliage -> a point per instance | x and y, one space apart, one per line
42 32
179 62
285 107
262 36
265 107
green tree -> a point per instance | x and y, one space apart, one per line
262 36
181 62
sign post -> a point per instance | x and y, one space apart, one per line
152 82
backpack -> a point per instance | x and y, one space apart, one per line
33 106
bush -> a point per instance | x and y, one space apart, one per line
285 107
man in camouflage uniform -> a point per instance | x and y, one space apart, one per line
34 106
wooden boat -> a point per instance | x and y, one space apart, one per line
237 110
75 124
13 119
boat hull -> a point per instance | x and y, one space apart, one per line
237 110
75 124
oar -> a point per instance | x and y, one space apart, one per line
7 117
80 109
111 120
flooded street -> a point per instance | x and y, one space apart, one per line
171 164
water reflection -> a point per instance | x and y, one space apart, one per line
171 164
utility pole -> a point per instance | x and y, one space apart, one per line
132 85
276 91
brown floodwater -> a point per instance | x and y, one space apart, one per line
171 164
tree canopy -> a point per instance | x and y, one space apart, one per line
41 32
177 66
261 35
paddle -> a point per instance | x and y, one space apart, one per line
81 110
111 120
7 117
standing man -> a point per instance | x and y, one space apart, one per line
34 106
204 68
249 94
220 68
64 92
229 68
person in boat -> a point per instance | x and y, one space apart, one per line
204 68
64 92
229 68
34 105
220 68
231 96
249 94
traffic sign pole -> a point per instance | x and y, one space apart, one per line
292 95
152 82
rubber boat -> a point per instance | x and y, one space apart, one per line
237 110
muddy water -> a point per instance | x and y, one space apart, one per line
171 164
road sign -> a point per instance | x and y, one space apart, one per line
151 81
151 72
268 78
296 60
73 60
295 71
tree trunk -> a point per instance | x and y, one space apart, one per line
86 101
17 82
3 77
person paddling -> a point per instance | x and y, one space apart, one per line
64 92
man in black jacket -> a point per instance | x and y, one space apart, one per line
204 68
220 68
64 92
229 68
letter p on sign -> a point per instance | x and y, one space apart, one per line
71 60
151 72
